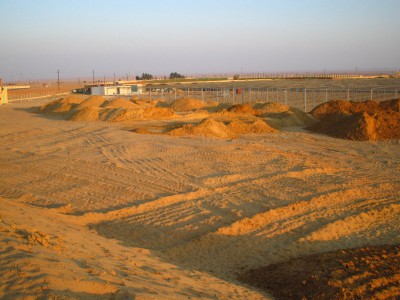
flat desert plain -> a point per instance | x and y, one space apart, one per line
93 210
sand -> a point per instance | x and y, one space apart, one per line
91 210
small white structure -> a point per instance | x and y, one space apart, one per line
109 90
3 94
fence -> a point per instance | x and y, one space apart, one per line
302 98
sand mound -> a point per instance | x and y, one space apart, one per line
343 107
119 103
146 103
73 99
85 114
259 126
291 118
149 113
362 121
206 128
359 273
158 113
56 107
187 104
271 107
92 101
242 109
214 128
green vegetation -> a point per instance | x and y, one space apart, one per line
145 76
175 75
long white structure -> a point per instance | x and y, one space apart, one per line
109 90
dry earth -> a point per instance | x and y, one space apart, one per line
92 210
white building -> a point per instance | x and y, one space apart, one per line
110 90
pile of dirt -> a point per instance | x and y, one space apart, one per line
119 102
85 114
361 121
270 107
293 117
73 99
258 126
361 273
206 128
96 108
155 113
212 128
56 107
187 104
146 103
92 101
243 109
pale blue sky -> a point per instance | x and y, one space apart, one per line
209 36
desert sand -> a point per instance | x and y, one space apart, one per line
100 201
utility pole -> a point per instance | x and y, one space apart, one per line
114 78
58 79
93 77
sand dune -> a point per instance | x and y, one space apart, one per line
92 210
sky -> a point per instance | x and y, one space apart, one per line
129 37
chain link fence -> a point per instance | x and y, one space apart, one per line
303 98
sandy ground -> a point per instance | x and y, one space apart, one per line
92 210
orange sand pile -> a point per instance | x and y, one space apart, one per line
61 105
360 273
187 104
213 128
96 108
92 101
243 109
362 121
119 102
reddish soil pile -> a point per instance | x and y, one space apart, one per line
361 273
360 121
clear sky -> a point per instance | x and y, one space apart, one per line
38 37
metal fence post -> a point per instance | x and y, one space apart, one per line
305 99
250 95
326 95
202 94
371 95
348 94
286 97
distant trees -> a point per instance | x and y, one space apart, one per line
236 77
145 76
175 75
